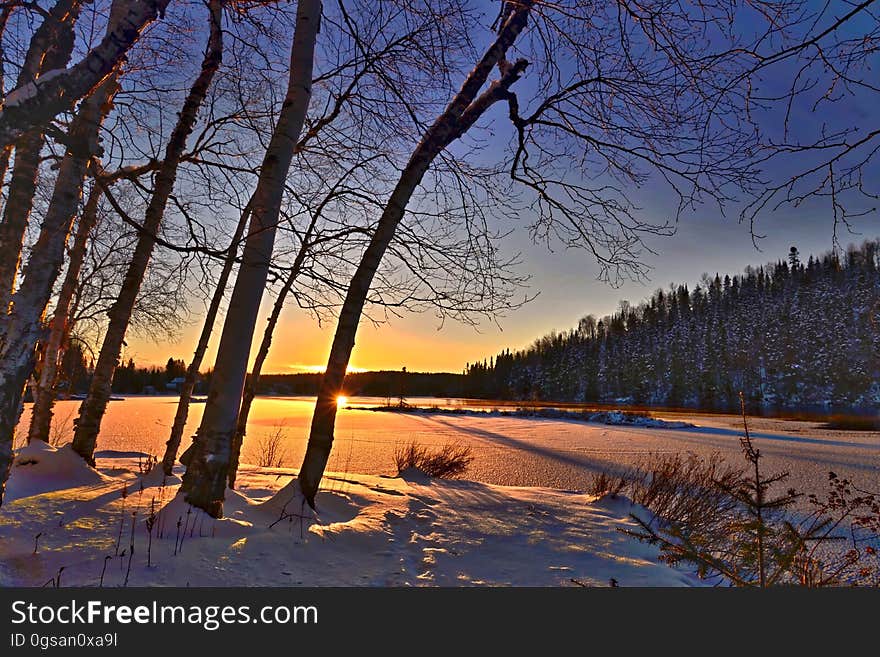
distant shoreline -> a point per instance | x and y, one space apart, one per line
614 418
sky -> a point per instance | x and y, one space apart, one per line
567 290
565 282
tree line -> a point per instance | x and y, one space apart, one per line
360 159
792 334
75 373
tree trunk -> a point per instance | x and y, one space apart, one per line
192 372
50 48
32 106
5 154
25 322
92 410
16 213
205 479
250 389
461 113
61 324
6 151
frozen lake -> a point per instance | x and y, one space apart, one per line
507 450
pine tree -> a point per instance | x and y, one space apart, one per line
792 334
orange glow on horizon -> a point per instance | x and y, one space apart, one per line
301 346
298 368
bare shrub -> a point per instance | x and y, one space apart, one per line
674 487
146 463
448 462
850 514
608 483
686 488
269 452
61 428
738 524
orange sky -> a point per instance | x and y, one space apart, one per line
300 344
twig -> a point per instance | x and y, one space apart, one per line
130 548
104 570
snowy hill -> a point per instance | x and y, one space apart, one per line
792 334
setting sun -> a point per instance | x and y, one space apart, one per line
341 401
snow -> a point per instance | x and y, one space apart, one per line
27 91
40 468
368 530
619 418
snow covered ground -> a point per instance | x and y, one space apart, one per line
520 520
64 520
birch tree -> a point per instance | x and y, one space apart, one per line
50 48
308 241
331 139
61 324
25 322
204 482
621 93
92 410
192 371
24 325
6 151
162 300
461 113
34 104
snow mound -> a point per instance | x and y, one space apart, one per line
414 475
193 520
157 477
242 515
330 506
41 468
620 418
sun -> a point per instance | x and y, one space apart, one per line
341 401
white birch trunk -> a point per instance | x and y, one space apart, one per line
88 424
49 48
250 389
192 372
205 479
62 323
25 323
32 107
461 113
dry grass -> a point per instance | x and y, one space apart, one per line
679 488
269 452
448 462
608 483
146 463
853 423
705 512
687 488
